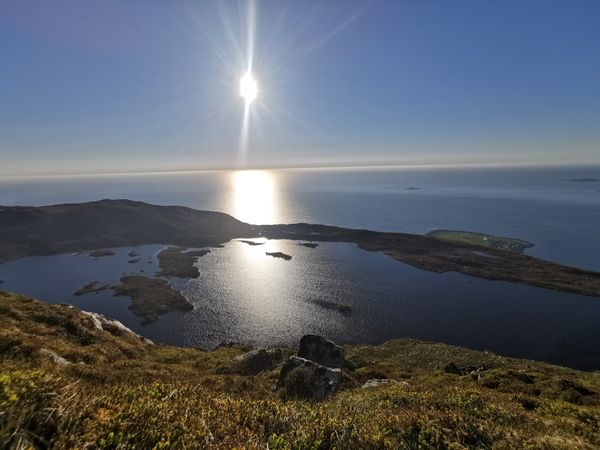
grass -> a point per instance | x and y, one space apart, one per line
484 240
120 392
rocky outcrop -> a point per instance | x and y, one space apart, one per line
53 356
320 350
114 327
301 378
376 382
475 372
315 373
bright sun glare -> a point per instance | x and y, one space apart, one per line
254 196
248 87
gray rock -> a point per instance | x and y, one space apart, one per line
376 382
302 378
114 327
320 350
254 362
53 356
466 370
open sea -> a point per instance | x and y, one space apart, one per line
244 295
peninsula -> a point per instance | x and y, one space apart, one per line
65 228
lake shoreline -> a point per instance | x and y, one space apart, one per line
130 223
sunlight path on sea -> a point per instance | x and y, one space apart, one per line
254 198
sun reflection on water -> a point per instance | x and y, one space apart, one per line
254 197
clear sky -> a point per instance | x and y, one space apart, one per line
120 85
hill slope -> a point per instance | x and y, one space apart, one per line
69 379
26 230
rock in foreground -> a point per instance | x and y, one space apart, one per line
301 378
315 373
320 350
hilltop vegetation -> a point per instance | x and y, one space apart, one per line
70 379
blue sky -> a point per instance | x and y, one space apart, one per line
121 85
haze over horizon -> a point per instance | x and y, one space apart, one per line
119 86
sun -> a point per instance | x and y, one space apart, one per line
248 88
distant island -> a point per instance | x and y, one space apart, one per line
78 227
582 180
99 253
279 255
253 243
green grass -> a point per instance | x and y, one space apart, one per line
481 239
120 392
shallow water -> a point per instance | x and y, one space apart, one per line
243 295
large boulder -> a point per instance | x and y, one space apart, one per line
321 351
301 378
254 362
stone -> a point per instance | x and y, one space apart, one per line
467 370
100 322
376 382
320 350
302 378
53 356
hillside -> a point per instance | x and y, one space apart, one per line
26 230
70 379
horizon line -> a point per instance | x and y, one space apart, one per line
373 166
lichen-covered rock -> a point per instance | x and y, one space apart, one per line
302 378
53 356
320 350
114 327
376 382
